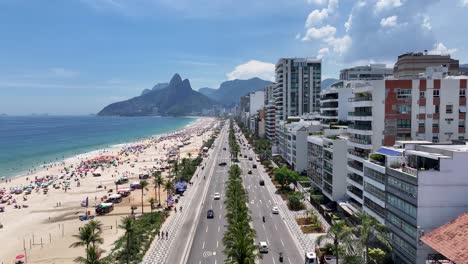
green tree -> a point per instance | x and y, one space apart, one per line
89 235
295 201
143 184
152 201
376 255
158 182
370 229
339 233
168 187
130 250
285 176
93 256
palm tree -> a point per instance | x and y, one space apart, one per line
89 235
369 229
168 187
93 255
176 168
158 180
143 184
152 201
127 224
339 233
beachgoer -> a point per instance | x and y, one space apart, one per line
167 235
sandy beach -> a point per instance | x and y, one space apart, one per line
43 229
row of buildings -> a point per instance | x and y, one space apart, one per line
387 142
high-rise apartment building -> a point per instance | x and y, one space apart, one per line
366 73
334 104
270 113
297 90
412 65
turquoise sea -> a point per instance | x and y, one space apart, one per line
27 142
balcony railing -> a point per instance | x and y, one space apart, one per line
358 154
410 171
356 178
360 113
355 191
360 99
360 141
355 166
360 127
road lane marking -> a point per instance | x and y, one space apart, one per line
203 245
273 258
217 243
206 230
289 260
282 242
219 228
276 227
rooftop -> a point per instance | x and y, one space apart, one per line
451 239
454 148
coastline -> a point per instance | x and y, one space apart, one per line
98 149
52 218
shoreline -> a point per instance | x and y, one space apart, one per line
97 150
52 218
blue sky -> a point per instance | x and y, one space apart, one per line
76 56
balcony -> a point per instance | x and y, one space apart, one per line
355 179
360 129
354 193
357 155
360 113
360 143
361 101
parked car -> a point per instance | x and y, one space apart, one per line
250 158
222 164
254 166
261 182
249 172
217 196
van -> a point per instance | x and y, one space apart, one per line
263 247
310 258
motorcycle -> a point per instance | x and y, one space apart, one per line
281 257
263 219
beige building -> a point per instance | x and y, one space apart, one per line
411 65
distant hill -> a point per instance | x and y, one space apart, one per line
327 82
464 65
229 92
176 99
158 86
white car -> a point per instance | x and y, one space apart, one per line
217 196
263 247
275 210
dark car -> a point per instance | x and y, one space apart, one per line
254 166
224 148
250 172
245 156
261 182
210 213
222 164
250 158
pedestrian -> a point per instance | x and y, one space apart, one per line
167 235
159 234
175 209
181 209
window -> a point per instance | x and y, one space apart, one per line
449 109
402 186
461 123
403 123
435 125
405 246
374 191
403 93
402 205
435 92
462 92
402 225
436 109
404 109
421 94
421 124
435 139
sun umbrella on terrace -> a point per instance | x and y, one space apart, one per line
20 256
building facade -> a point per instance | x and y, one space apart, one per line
334 103
366 73
270 113
412 65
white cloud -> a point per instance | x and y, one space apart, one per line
340 45
349 22
322 52
464 2
426 24
253 68
332 5
324 32
298 35
317 2
441 49
390 21
387 4
316 16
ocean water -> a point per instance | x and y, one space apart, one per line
27 142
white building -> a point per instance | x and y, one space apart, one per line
292 141
327 163
334 103
256 102
270 113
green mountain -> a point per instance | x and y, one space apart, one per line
229 92
327 82
176 99
158 86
